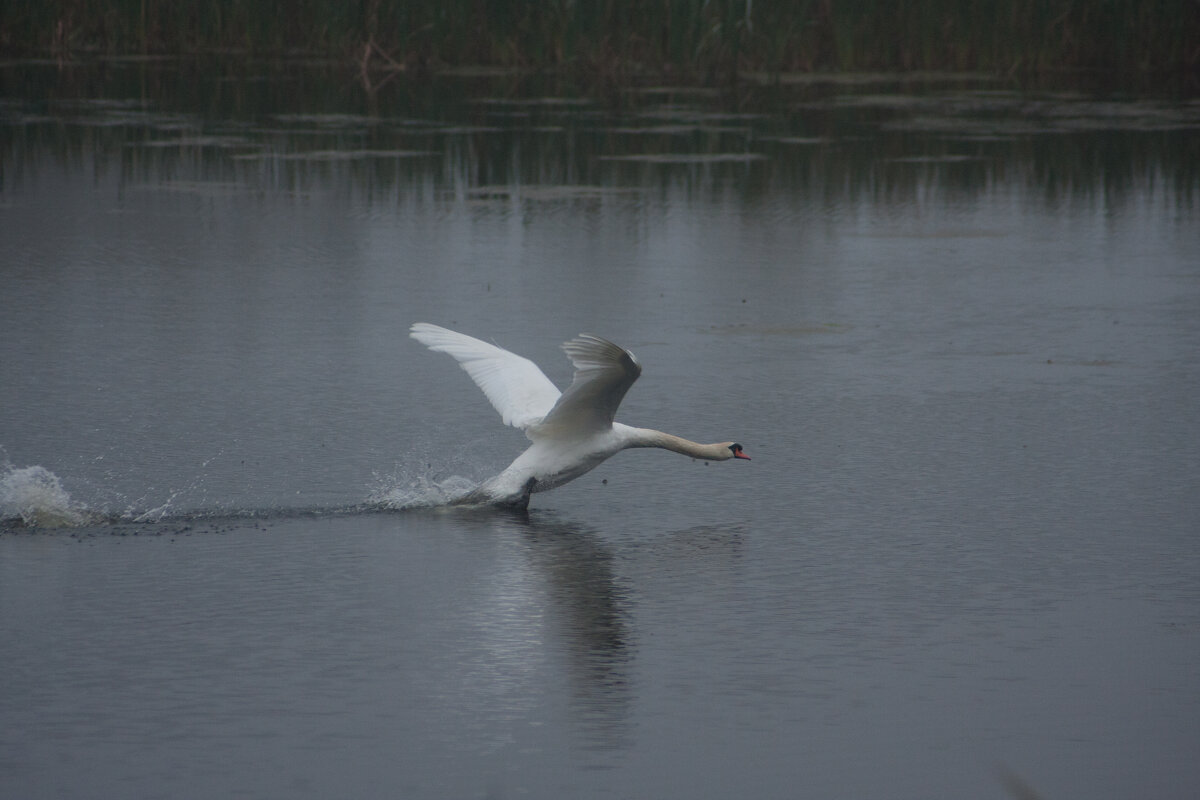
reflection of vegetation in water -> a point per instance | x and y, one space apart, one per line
700 37
296 128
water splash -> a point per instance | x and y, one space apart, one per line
397 493
34 496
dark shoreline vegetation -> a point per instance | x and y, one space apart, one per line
696 41
297 125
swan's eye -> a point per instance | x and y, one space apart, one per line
736 448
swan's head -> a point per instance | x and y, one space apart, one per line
737 451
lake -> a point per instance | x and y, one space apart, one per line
954 322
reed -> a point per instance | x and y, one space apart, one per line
698 39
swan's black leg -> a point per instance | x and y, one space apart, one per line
522 503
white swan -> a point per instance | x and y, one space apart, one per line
572 431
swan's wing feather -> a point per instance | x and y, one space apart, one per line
515 386
603 374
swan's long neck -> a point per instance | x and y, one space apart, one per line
648 437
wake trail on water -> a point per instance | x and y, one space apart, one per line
34 497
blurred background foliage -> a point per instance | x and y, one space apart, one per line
697 40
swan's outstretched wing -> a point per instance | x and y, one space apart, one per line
516 387
603 374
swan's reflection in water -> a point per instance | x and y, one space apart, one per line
586 614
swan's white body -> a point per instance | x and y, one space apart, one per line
571 432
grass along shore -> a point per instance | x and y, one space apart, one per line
697 40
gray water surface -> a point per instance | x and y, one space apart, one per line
956 326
